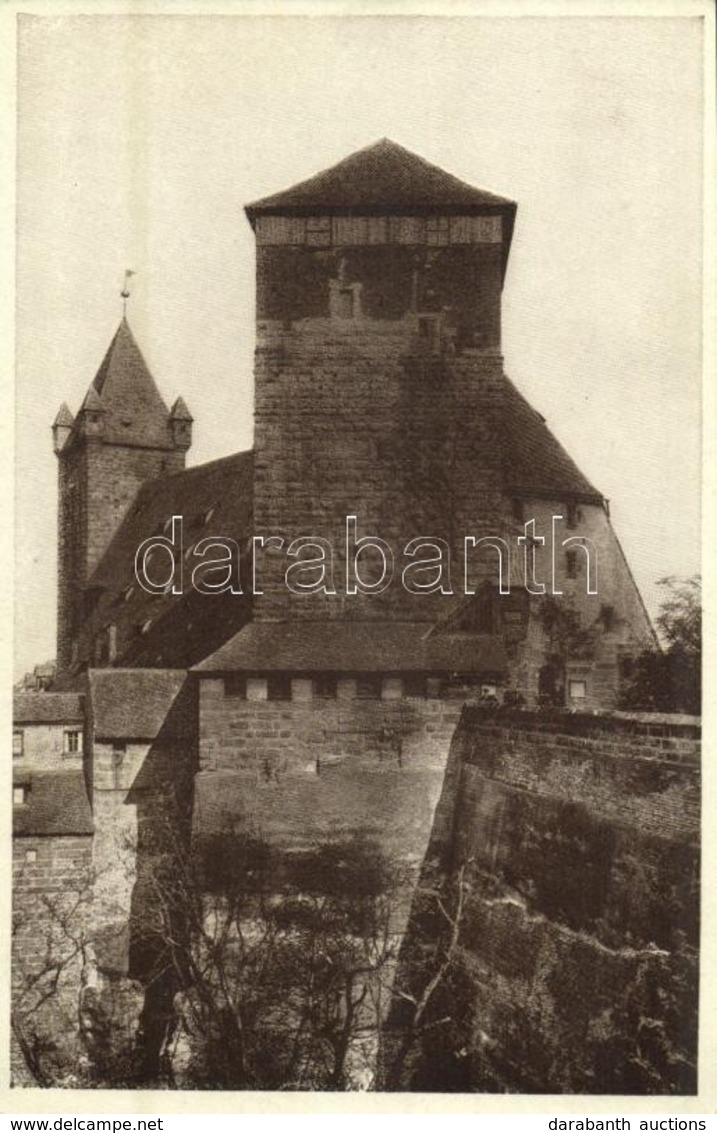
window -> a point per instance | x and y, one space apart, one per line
518 510
73 741
278 686
578 690
573 515
235 685
30 855
429 332
415 685
318 230
345 308
571 564
18 739
19 795
437 230
324 686
368 686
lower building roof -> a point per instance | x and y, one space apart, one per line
56 804
47 708
355 647
132 703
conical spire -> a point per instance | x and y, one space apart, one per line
125 391
62 427
64 418
179 411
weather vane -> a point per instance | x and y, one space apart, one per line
125 289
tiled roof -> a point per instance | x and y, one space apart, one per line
47 708
134 412
362 647
173 631
132 703
56 804
383 177
534 461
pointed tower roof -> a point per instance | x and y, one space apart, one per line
179 411
64 417
126 391
382 178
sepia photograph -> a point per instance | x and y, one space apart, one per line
356 685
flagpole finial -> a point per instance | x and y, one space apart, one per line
125 292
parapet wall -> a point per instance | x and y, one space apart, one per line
579 939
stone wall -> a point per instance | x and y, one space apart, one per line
50 921
97 483
303 770
577 961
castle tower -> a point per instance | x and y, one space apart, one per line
378 368
122 435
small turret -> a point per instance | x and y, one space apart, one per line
92 413
180 420
61 428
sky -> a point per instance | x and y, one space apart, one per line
141 138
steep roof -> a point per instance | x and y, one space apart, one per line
535 463
125 391
383 177
47 708
132 703
363 647
173 631
57 804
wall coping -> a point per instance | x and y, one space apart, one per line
658 724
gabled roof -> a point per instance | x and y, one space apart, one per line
167 630
384 178
132 703
180 412
355 647
535 463
47 708
57 804
127 394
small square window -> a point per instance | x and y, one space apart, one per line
368 686
235 685
578 690
318 230
278 686
415 685
324 686
30 855
18 740
437 230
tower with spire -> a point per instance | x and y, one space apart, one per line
122 436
